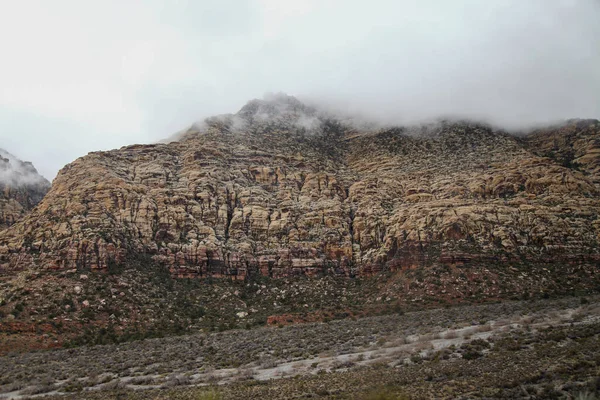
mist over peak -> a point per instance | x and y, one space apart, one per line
276 106
272 111
15 173
280 109
309 116
119 74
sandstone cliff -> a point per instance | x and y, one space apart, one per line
278 190
21 188
279 193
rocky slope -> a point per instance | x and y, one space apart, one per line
21 188
279 199
442 212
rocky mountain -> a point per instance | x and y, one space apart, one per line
21 188
278 191
446 212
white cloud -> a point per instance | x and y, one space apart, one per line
82 76
14 172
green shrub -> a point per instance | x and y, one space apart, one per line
471 354
210 395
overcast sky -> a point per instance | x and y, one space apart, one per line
79 76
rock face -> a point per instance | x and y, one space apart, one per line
21 188
280 190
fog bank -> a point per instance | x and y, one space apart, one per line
78 77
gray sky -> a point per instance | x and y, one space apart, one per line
79 76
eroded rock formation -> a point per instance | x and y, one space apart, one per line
279 190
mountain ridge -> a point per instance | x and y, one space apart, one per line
331 152
382 218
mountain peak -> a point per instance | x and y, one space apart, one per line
275 105
21 188
280 110
17 173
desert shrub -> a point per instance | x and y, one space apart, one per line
11 387
474 348
583 301
177 380
72 385
18 309
471 354
113 385
585 396
416 358
210 395
509 344
480 343
451 335
37 389
88 314
384 394
484 328
142 380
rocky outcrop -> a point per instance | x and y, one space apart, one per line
280 190
575 145
21 188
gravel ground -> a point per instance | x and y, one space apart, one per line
442 345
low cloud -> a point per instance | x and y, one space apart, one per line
77 77
16 173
